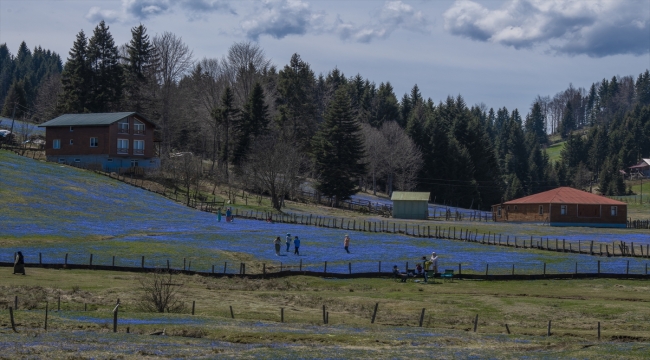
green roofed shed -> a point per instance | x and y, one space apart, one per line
410 205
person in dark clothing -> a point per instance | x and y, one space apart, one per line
399 274
19 263
296 244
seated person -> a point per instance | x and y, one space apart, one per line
399 274
418 268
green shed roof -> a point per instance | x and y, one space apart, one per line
89 119
410 196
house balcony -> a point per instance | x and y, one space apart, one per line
123 130
138 131
138 151
122 150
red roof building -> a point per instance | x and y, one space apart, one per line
563 206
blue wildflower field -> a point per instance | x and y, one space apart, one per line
57 210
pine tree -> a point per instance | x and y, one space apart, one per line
106 71
568 122
226 115
337 149
16 99
76 78
535 124
138 69
253 123
296 103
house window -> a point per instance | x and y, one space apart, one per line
109 160
71 128
93 142
138 127
56 144
499 211
61 161
541 210
122 146
138 147
515 207
123 127
134 163
562 209
77 160
71 142
614 210
508 207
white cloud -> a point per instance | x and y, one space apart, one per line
96 14
596 28
393 15
144 9
279 18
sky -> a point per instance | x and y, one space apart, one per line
500 53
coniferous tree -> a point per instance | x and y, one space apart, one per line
296 105
385 107
139 63
568 123
337 150
226 116
105 69
535 124
252 123
16 101
76 78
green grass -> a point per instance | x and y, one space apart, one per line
574 306
553 151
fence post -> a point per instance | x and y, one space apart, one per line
193 305
325 270
300 268
599 267
487 267
46 309
11 315
475 322
544 269
422 317
350 267
59 304
281 314
548 330
66 259
113 261
599 331
324 315
115 316
40 261
627 270
143 261
459 269
645 267
374 313
224 266
232 314
91 260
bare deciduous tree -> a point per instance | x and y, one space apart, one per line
185 169
245 64
376 147
160 292
276 167
403 159
47 99
173 59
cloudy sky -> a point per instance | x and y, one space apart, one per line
501 53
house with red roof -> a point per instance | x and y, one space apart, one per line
563 206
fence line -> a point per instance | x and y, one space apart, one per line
296 270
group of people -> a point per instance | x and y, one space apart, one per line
296 244
229 216
421 269
277 242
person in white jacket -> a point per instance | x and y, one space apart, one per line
434 262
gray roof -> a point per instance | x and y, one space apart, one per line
410 196
89 119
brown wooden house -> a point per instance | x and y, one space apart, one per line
563 206
107 140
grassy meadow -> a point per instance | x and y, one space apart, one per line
57 210
574 307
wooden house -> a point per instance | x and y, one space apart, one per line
110 141
563 206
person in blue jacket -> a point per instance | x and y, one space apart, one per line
296 244
288 241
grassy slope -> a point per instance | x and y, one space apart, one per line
554 150
575 307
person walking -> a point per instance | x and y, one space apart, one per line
219 215
427 268
296 244
288 241
346 243
277 242
19 263
228 215
434 262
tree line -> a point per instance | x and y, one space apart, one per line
240 119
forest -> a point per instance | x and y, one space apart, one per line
243 120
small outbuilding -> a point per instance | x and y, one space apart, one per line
410 205
563 206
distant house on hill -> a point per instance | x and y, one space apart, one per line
107 140
641 169
410 205
563 206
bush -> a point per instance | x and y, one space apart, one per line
160 292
